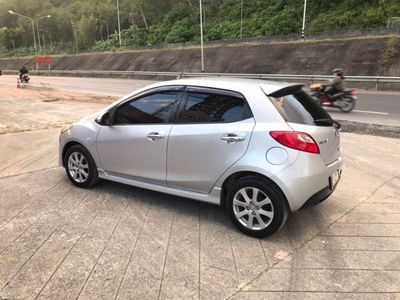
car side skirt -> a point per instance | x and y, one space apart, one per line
213 198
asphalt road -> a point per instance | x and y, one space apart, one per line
372 107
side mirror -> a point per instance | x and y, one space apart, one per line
102 119
107 118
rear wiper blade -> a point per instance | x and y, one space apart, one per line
329 121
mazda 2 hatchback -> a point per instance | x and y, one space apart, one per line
261 149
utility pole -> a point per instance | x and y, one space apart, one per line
303 37
48 32
119 26
201 37
75 33
38 35
37 30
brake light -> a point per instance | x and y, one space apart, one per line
296 140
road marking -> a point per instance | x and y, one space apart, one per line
371 112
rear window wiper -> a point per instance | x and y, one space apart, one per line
329 122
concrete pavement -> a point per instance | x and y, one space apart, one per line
372 107
120 242
115 241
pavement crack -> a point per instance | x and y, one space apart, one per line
148 272
30 172
219 268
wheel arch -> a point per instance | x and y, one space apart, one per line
68 146
241 174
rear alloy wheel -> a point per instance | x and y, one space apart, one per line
256 207
80 167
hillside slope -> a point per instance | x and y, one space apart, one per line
364 56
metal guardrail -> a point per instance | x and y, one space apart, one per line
290 77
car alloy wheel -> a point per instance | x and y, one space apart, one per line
253 208
78 167
256 206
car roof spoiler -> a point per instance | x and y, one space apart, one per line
281 89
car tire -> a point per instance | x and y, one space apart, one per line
263 212
80 167
350 104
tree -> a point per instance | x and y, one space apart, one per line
146 22
87 31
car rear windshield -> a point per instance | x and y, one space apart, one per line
299 107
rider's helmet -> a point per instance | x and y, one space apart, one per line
338 72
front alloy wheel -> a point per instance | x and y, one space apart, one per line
80 167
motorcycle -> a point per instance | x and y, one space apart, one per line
23 81
25 78
345 101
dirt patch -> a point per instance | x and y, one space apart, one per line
35 108
370 129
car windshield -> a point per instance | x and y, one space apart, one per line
299 107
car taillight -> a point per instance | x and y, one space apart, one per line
296 140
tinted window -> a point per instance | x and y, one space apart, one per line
154 109
212 108
300 108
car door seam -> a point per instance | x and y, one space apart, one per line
244 153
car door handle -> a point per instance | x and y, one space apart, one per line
231 138
155 136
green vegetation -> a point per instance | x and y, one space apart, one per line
391 49
82 24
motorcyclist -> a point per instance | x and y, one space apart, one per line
337 85
22 72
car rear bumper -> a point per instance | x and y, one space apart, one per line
307 181
319 197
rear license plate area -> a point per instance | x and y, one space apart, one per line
334 179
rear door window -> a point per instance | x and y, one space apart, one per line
299 107
204 107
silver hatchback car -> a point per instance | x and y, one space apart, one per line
261 149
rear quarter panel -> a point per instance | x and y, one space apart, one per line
255 159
